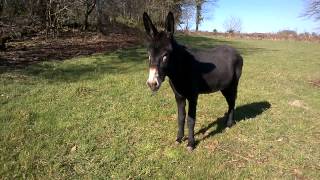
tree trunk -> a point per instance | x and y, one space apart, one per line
99 15
86 24
3 41
42 11
1 6
89 9
198 15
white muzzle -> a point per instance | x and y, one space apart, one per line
154 81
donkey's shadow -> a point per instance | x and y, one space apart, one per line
241 113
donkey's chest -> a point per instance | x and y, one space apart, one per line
189 87
181 87
199 83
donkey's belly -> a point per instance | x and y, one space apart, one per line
214 81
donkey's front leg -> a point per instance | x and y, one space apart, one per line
181 103
191 122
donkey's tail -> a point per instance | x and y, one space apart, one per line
238 67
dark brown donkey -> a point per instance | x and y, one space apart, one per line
191 73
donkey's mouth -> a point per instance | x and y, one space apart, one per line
154 89
154 86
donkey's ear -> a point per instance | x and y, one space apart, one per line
170 23
150 29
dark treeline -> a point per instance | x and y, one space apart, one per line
52 16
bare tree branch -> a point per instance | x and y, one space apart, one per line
312 10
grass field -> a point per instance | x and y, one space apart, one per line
94 117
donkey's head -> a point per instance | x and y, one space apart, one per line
159 50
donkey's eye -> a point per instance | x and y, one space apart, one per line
164 58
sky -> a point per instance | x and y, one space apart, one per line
258 15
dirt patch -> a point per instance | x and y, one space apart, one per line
299 104
211 146
38 49
315 82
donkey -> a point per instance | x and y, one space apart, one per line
191 73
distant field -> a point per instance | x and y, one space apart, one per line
94 117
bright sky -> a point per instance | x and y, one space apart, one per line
259 15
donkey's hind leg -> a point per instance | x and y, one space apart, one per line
230 94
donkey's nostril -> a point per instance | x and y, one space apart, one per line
156 84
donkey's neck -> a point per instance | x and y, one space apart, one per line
181 65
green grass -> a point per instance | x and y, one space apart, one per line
94 117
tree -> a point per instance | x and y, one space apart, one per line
54 16
199 17
232 24
199 10
90 5
186 15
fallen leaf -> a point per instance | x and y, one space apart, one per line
280 139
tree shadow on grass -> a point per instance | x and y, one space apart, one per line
119 62
199 43
243 112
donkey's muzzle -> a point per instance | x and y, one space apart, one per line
153 81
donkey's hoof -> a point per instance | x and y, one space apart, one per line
230 123
177 142
190 148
